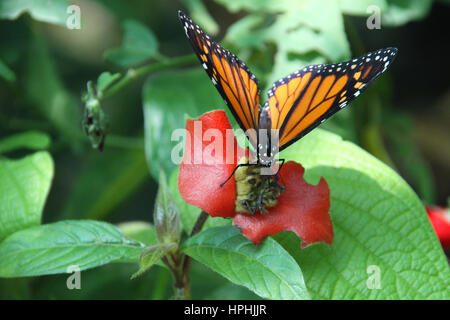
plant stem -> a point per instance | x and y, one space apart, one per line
136 73
199 223
180 285
179 265
187 261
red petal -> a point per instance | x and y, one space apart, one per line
302 208
201 175
441 225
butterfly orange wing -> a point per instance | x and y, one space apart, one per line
234 81
303 100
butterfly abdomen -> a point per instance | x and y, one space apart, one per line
254 192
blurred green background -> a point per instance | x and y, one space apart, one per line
44 69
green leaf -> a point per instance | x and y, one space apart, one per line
6 73
140 231
168 97
33 140
52 248
400 12
139 44
152 255
53 11
360 7
208 284
165 215
24 186
200 15
189 213
231 291
105 79
378 222
393 12
267 269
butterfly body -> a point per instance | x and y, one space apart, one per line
296 104
255 191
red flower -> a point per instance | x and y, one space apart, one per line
301 208
441 223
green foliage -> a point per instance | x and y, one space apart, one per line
111 281
309 31
360 8
190 93
378 220
201 15
151 255
42 10
139 44
33 140
400 130
400 12
140 231
189 212
145 233
52 248
50 98
166 216
106 180
207 284
379 223
320 32
6 73
24 186
105 79
230 291
268 270
393 12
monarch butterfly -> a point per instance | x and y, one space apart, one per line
296 104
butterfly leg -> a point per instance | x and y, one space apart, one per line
259 202
281 165
252 209
279 176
